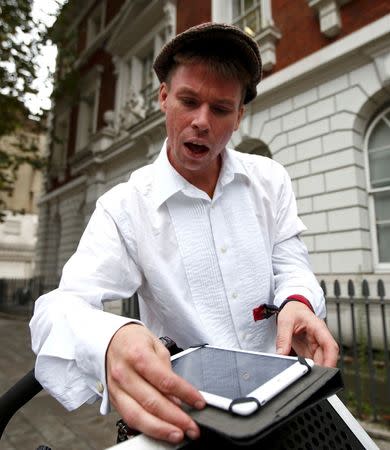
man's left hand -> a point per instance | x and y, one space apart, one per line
298 328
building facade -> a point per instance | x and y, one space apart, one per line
18 231
322 110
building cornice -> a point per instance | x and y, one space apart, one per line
73 184
143 16
315 63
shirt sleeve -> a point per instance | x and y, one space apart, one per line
293 275
70 332
292 272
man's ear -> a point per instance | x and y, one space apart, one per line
240 114
162 96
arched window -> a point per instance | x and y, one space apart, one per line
254 146
378 163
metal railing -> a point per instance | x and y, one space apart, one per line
361 325
359 322
17 295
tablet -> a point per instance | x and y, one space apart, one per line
236 380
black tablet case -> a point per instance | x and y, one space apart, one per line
318 384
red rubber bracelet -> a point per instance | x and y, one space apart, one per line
297 298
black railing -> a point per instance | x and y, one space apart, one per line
361 325
17 295
359 322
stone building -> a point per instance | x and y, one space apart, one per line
322 110
18 232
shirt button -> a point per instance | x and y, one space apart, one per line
234 295
100 387
223 249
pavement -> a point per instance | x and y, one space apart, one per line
43 421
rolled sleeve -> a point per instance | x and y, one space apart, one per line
70 332
70 361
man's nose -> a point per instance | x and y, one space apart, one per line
201 119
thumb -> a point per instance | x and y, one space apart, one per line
284 333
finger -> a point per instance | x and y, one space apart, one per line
138 418
329 347
148 396
149 367
284 333
157 404
162 352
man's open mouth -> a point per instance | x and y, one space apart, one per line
196 148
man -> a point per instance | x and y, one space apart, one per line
204 234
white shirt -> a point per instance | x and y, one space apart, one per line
200 267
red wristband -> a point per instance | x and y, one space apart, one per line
297 298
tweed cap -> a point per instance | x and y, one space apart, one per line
228 40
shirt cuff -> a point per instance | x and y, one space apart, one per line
92 342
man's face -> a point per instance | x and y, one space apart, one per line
202 110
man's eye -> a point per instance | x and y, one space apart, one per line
220 110
188 102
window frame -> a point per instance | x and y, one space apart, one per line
90 86
92 34
267 36
378 266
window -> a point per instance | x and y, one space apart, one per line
247 15
12 227
95 22
255 147
88 107
255 18
60 145
147 89
378 162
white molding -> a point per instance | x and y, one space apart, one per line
378 266
328 12
316 62
73 184
220 12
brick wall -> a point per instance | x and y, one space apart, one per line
300 27
190 13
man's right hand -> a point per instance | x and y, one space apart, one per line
144 389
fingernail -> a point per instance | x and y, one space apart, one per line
175 437
199 404
192 434
279 351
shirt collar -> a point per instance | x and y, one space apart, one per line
168 181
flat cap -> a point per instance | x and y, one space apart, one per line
227 39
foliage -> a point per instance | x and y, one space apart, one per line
68 76
20 41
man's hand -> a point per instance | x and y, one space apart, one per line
144 389
300 329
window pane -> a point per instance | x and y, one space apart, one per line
248 4
383 232
380 136
247 13
236 8
379 162
382 212
251 21
382 206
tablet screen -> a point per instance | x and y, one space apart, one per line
228 373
